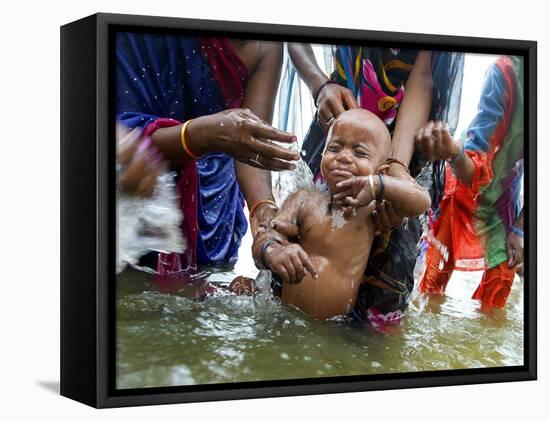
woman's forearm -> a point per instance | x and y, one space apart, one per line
464 169
304 60
415 108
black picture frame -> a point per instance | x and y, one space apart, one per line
88 207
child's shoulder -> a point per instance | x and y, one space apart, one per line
306 195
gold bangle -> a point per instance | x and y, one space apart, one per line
184 144
257 204
372 189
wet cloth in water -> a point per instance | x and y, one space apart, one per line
163 80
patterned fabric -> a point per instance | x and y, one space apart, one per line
482 214
163 80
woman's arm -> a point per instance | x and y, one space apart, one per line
259 97
332 99
413 112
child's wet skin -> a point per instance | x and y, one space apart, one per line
335 239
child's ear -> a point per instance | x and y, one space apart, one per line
383 169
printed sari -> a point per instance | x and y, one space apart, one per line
164 80
481 215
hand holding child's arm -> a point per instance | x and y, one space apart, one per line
272 247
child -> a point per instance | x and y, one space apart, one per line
319 242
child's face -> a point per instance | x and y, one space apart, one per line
354 148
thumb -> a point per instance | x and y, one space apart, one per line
285 228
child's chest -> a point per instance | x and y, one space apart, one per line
326 232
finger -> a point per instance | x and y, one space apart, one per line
308 264
285 228
427 146
263 130
336 107
349 100
371 207
352 202
347 183
298 266
383 216
273 164
511 254
323 125
436 137
283 273
289 266
428 129
377 224
324 114
395 219
343 194
269 149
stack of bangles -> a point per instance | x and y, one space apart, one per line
184 143
380 196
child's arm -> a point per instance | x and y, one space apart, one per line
407 197
273 247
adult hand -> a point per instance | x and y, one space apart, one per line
244 136
385 217
142 162
333 100
263 215
435 141
514 249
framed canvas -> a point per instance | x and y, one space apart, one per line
254 210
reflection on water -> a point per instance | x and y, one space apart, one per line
166 339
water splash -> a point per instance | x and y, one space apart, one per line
289 181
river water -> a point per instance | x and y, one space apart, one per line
163 338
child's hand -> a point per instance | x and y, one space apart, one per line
357 192
435 142
291 262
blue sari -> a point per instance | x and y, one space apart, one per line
163 80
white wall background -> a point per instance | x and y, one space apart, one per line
29 175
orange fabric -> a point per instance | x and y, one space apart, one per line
495 286
458 206
435 279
